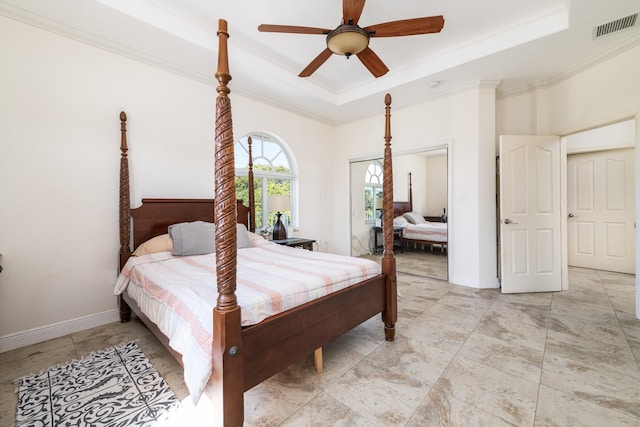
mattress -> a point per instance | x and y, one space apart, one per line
429 231
179 293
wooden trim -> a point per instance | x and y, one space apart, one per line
252 198
410 193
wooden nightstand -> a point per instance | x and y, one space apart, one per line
296 242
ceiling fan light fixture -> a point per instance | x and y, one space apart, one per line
347 40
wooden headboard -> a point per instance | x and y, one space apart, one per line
401 207
154 216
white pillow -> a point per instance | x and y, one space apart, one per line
400 220
243 237
254 237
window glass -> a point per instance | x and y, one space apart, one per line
273 175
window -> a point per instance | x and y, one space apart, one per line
274 172
373 191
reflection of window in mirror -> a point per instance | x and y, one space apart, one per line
373 192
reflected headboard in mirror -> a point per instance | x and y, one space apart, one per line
401 207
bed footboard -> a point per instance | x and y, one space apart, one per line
277 342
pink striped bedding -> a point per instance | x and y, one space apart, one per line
179 293
429 231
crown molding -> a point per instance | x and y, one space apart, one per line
595 60
578 68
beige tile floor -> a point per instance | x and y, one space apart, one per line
419 261
462 357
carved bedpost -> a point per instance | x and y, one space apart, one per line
410 193
389 316
252 197
225 197
227 389
125 212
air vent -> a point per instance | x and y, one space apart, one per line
615 26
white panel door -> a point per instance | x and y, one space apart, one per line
530 240
600 203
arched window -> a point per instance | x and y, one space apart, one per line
274 173
373 191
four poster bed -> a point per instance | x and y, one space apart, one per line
418 229
240 345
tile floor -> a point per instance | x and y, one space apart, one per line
462 357
419 262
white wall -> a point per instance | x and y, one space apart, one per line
436 185
402 166
59 169
606 93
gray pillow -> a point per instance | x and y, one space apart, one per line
415 217
193 238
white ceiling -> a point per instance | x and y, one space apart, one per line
518 43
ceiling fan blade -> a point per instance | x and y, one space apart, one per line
267 28
407 27
351 11
373 63
316 63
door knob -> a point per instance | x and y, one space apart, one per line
571 215
508 221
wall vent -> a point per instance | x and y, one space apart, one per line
615 26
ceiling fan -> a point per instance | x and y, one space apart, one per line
351 39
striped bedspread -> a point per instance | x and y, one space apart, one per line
429 231
179 293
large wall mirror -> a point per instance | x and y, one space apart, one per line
419 178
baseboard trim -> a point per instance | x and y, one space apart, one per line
473 282
55 330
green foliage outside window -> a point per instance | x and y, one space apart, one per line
273 185
372 196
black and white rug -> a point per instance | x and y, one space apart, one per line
113 387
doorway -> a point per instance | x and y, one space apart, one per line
612 137
429 187
601 198
530 214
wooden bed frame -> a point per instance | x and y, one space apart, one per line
400 208
245 356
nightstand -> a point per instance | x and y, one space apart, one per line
398 242
296 242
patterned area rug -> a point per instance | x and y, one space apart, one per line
113 387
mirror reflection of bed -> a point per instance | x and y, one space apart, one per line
420 186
